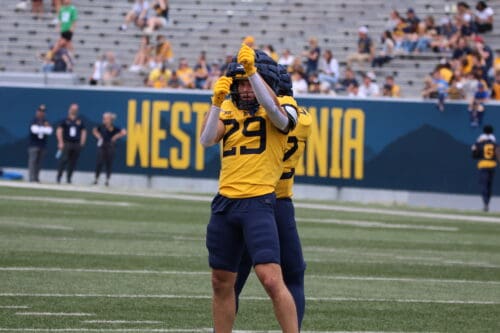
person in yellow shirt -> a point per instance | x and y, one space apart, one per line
185 73
159 77
253 126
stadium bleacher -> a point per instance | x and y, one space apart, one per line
217 27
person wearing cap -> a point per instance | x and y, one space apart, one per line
485 150
412 21
40 129
71 137
483 17
366 49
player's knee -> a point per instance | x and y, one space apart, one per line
222 282
272 282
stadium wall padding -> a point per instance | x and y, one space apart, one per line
381 144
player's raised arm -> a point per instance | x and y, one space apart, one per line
213 128
285 120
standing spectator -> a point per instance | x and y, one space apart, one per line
390 88
106 134
369 88
299 85
441 87
71 137
142 57
138 15
160 20
98 70
39 130
328 69
159 77
163 52
312 55
412 21
63 62
286 58
483 17
112 70
476 106
387 51
185 73
66 21
365 50
201 70
485 150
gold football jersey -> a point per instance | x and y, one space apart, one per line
251 153
296 144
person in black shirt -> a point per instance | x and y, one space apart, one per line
106 134
71 137
39 130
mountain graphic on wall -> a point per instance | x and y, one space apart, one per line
420 155
5 136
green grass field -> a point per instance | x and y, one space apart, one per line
80 262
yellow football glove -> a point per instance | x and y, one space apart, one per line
221 89
246 57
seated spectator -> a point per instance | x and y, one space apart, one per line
112 70
297 67
385 55
328 69
314 86
411 21
368 87
160 19
476 106
390 88
483 17
185 74
461 49
138 15
286 58
98 70
486 55
213 75
495 89
142 57
366 49
63 61
175 82
201 70
312 55
269 50
227 60
395 22
456 90
163 52
47 60
445 32
159 77
347 81
299 84
354 90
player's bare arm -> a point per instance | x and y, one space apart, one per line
284 120
212 129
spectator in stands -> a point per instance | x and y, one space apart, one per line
347 81
483 17
138 15
426 32
163 52
227 60
286 58
185 73
47 60
160 19
366 49
396 24
369 88
486 55
159 77
106 135
495 89
63 62
476 106
464 22
67 18
354 90
142 57
98 70
390 88
213 75
269 50
175 82
314 85
201 70
297 67
456 91
328 69
386 53
112 70
299 84
40 129
312 55
441 86
411 21
71 137
462 49
445 32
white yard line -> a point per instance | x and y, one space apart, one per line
56 314
251 298
66 201
372 224
121 322
203 198
165 330
38 226
207 273
14 307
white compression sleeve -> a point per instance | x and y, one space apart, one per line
265 99
209 134
35 129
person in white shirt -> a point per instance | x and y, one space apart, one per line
328 69
299 85
369 88
286 58
483 17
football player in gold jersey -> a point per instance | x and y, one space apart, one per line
292 259
253 128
